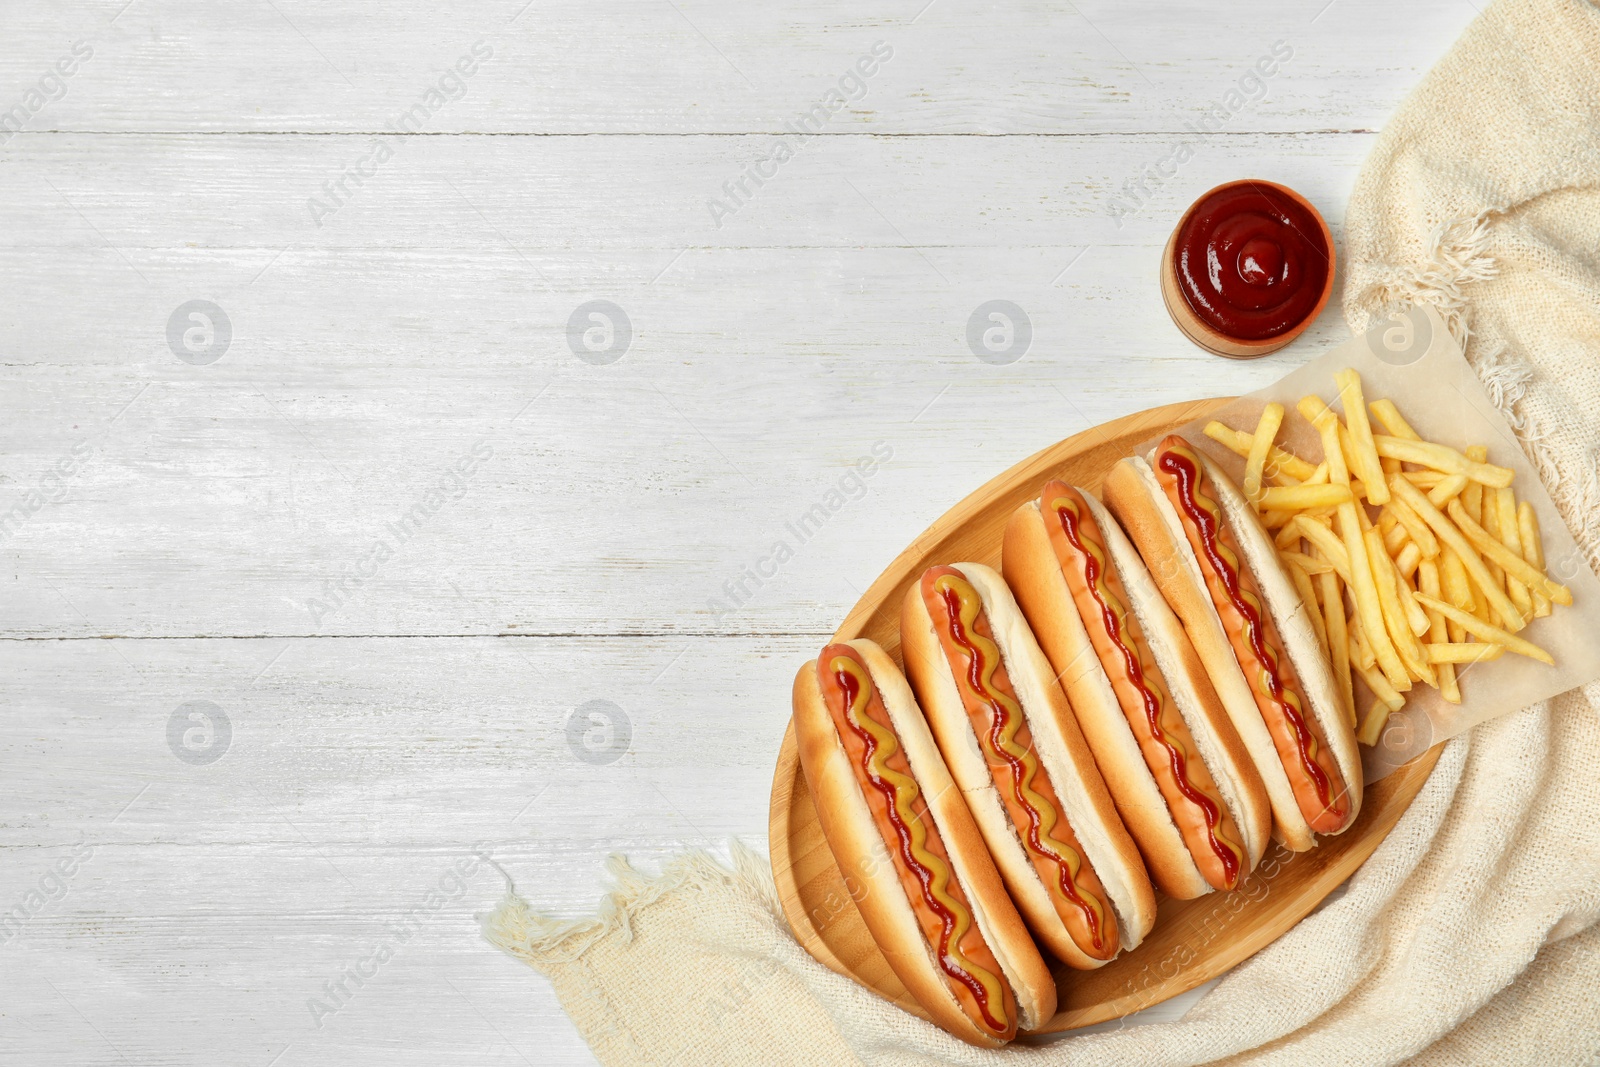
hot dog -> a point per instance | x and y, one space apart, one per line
929 891
1181 778
1218 570
1009 736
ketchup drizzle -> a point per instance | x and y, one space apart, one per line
1000 716
1152 702
1188 477
852 690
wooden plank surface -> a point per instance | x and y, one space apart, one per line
578 66
169 527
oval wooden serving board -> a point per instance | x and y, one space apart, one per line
1193 940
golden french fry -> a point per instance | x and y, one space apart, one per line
1302 583
1319 476
1369 607
1438 632
1394 538
1511 537
1239 443
1396 625
1407 560
1513 565
1457 589
1287 537
1312 408
1337 638
1372 725
1389 415
1473 498
1326 542
1493 634
1533 552
1416 529
1365 458
1444 487
1361 648
1453 576
1450 534
1426 479
1465 653
1301 497
1256 461
1415 618
1306 564
1449 688
1363 586
1490 521
1276 520
1532 538
1382 689
1442 458
1414 613
1379 684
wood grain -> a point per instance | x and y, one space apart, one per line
632 66
1193 941
368 355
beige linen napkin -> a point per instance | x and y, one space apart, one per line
1469 935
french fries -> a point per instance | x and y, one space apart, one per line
1444 488
1389 415
1511 538
1443 459
1363 584
1372 726
1415 528
1364 459
1513 565
1397 620
1324 540
1360 651
1336 638
1305 564
1302 497
1415 559
1451 534
1240 442
1473 653
1409 557
1533 552
1438 633
1474 625
1256 461
1308 596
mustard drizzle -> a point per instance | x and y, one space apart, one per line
929 868
1141 676
1271 681
1042 815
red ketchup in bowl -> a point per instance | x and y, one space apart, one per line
1252 261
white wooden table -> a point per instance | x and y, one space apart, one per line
305 582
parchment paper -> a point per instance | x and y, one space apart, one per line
1415 362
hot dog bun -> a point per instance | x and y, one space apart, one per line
1076 820
1170 543
872 856
1182 780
